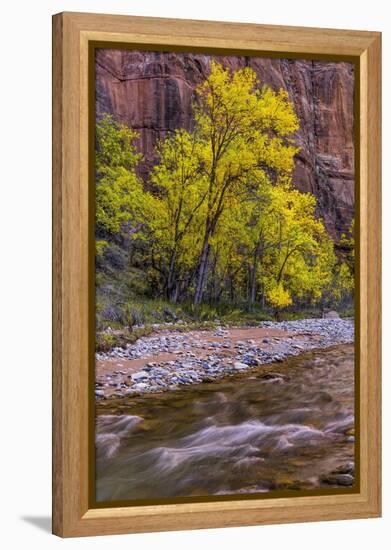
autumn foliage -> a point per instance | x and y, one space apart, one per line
218 219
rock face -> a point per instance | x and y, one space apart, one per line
153 92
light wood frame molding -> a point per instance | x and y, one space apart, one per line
72 32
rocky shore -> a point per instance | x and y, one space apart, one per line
168 359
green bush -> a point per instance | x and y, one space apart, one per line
105 341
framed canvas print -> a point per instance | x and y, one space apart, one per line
216 230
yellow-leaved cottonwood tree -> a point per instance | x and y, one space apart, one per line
218 218
244 133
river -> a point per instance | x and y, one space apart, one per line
277 427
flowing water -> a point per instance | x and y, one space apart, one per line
282 426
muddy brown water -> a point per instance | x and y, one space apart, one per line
280 426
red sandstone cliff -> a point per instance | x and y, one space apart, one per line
153 92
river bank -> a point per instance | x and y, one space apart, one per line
169 359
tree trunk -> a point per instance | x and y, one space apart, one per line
175 293
203 271
231 289
171 277
254 279
213 283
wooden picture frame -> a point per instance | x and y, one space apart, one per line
72 263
